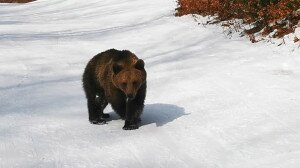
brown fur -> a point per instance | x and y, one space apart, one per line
119 78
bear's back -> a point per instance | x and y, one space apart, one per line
112 56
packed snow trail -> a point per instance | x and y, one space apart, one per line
212 102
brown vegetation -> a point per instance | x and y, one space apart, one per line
265 16
15 1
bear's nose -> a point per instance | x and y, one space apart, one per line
130 96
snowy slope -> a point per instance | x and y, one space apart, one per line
212 102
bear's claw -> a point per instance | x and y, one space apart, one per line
130 127
98 121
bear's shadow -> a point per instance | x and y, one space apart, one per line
158 113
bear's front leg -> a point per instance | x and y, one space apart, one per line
130 125
94 116
132 117
101 103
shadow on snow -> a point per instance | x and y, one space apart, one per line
157 113
161 114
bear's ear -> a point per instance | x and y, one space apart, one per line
139 64
116 68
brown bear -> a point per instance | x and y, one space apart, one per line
119 78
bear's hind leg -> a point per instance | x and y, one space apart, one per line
120 109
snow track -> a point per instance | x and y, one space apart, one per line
212 102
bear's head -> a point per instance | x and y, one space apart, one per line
129 77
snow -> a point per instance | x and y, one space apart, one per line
212 101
